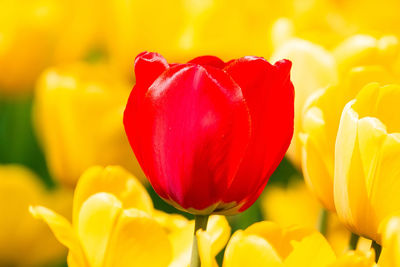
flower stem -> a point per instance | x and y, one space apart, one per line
323 221
200 223
377 249
353 241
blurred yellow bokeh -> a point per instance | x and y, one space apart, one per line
23 240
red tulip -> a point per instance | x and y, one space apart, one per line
209 134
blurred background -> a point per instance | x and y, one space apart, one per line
66 70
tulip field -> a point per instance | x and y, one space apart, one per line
199 133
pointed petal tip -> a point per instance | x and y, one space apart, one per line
284 65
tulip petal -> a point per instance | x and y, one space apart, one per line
148 66
250 250
194 131
385 196
211 61
269 94
182 241
138 240
312 251
170 222
391 242
315 162
96 222
212 241
349 183
114 180
64 233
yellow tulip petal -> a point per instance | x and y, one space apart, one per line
138 240
63 231
213 240
370 183
385 196
318 169
356 259
349 184
390 229
114 180
170 222
182 240
354 51
312 250
96 221
250 250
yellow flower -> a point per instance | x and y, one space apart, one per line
321 117
22 23
23 240
366 50
57 31
313 68
114 224
296 206
267 244
111 223
367 160
390 229
78 116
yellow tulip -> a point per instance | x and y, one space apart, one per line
78 117
390 229
114 224
367 160
321 117
313 68
111 223
295 205
57 31
366 50
267 244
23 240
22 23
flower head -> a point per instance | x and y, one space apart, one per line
367 160
211 132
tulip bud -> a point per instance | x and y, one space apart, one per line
211 133
78 117
367 160
320 122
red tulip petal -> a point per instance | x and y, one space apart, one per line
212 61
194 129
269 94
148 66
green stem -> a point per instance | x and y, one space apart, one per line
377 249
323 221
353 241
200 223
